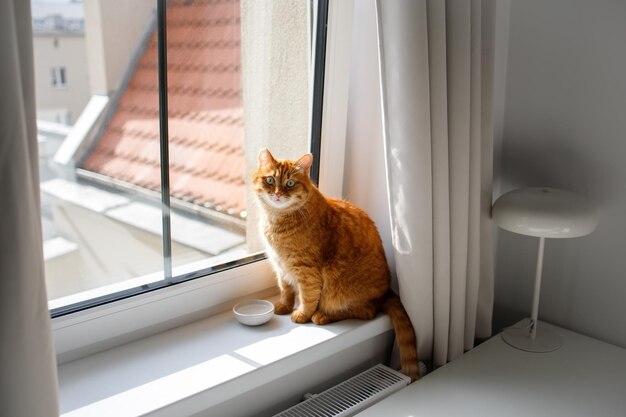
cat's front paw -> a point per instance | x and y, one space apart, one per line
298 316
280 308
320 318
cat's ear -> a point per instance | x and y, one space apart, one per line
266 158
305 162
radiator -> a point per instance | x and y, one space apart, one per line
351 396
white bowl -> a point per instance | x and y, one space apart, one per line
253 312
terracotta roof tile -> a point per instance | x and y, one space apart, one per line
205 111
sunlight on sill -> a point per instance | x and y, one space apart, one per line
167 390
274 348
216 358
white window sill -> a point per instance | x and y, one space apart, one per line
189 369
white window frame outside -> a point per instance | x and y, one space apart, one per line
82 333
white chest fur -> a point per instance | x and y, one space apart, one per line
279 266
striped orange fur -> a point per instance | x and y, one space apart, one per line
327 253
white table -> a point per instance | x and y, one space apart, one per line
585 377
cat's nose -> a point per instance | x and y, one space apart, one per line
278 193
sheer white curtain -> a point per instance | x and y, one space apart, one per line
27 364
436 85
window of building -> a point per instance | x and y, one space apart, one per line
58 77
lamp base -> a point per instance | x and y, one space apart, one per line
544 341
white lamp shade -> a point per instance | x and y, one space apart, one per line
545 212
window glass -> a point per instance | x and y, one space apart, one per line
238 79
92 247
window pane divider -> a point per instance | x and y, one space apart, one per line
164 139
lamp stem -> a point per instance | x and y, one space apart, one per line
535 308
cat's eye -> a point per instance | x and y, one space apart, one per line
270 180
290 184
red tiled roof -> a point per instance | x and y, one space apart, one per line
205 111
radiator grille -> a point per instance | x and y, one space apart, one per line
351 396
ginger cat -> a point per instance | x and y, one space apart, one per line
326 252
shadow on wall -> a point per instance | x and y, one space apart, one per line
514 278
504 316
547 160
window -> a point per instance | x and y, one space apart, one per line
159 195
58 77
103 209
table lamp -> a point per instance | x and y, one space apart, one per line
544 213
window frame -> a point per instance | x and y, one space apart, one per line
84 332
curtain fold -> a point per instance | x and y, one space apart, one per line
27 360
436 59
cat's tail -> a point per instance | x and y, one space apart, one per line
405 336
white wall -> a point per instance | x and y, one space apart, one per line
564 125
67 51
113 32
275 82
